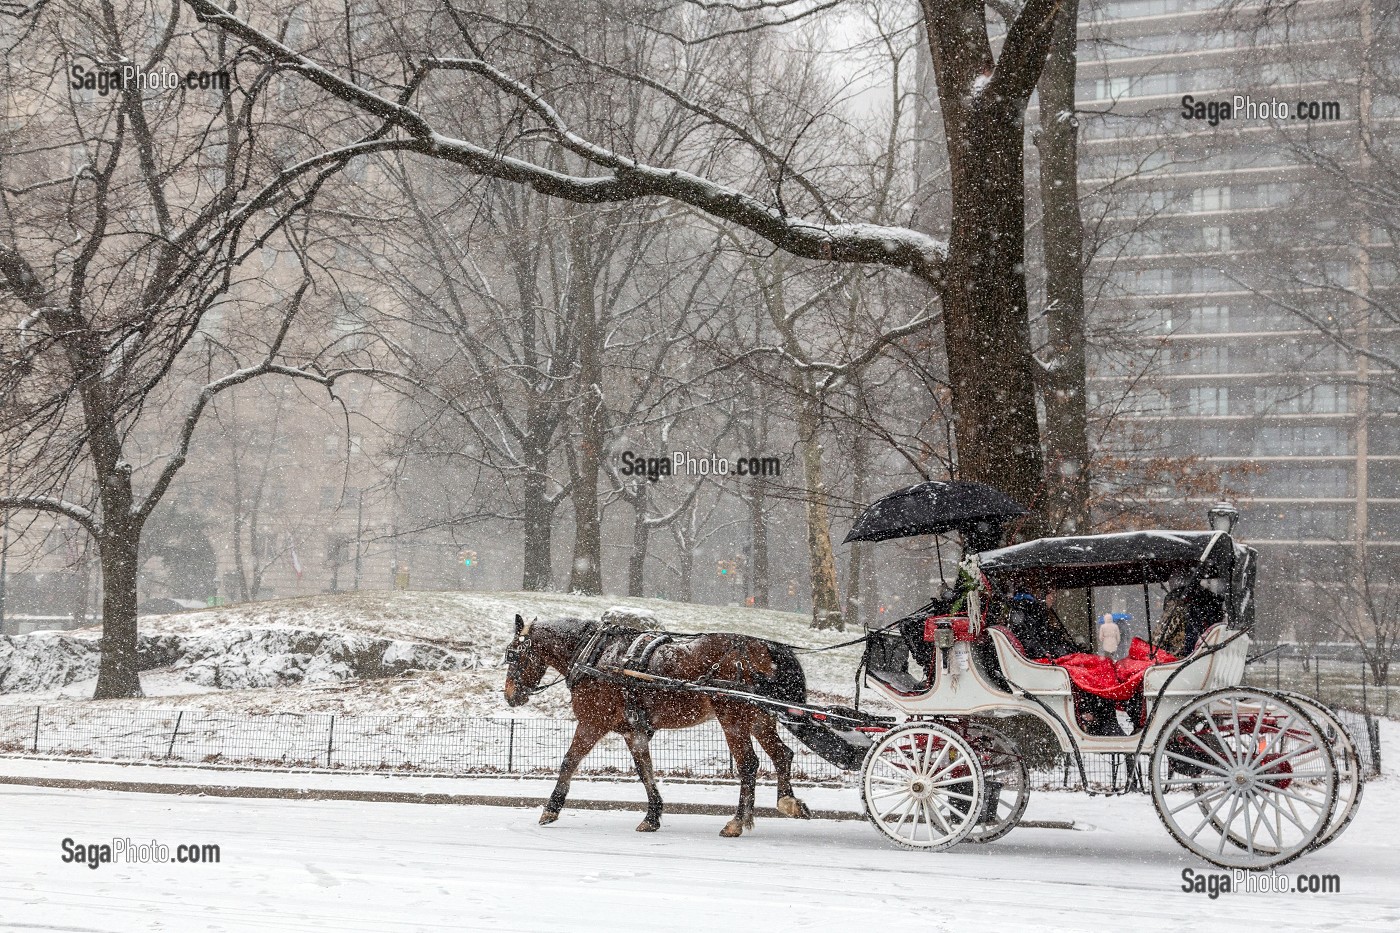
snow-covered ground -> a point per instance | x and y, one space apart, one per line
364 653
351 866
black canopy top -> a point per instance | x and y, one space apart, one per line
1124 559
933 508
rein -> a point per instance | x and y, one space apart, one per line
513 654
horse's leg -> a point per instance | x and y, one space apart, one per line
765 729
735 724
640 746
586 735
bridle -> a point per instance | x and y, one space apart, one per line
513 653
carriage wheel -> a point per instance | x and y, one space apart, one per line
1244 778
1347 760
922 786
1008 782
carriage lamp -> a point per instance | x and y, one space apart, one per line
1222 517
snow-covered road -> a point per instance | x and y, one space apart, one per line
347 866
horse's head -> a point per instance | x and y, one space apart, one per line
524 667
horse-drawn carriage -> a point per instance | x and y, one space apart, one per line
1242 777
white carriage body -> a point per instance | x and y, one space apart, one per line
1047 692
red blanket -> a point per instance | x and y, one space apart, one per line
1112 680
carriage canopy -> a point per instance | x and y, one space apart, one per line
1125 559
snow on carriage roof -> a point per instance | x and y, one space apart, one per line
1115 559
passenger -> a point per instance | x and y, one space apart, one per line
1036 626
1191 606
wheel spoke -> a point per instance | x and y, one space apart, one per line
1224 765
1210 816
1224 745
890 793
1197 763
1199 798
1264 820
1229 821
942 754
1288 794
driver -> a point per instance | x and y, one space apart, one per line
1190 607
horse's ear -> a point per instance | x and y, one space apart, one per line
519 623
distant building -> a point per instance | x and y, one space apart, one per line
1201 218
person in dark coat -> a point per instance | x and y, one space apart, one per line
1191 606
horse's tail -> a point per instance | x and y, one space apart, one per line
787 683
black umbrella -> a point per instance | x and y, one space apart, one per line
933 508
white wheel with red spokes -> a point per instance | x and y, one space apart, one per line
1344 756
923 787
1244 778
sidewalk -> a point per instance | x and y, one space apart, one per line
505 791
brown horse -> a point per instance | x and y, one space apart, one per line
602 706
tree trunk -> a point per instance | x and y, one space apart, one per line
538 543
118 674
758 527
826 598
1066 402
641 532
860 467
586 573
1064 390
986 323
685 558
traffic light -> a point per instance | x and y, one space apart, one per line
468 558
792 587
727 568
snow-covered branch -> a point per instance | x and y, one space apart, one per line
77 513
626 179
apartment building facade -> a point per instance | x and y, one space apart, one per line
1224 238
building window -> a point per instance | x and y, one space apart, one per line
1211 199
1216 237
1210 319
1301 440
1208 400
1308 400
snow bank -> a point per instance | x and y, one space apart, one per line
235 659
369 653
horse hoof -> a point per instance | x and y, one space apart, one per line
734 827
647 826
547 817
791 806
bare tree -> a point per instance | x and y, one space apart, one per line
979 273
113 262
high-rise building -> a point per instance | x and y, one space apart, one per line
1214 147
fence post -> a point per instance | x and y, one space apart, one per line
330 741
1373 733
510 748
35 750
170 750
1317 678
1278 656
1365 705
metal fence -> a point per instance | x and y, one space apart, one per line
1339 682
439 745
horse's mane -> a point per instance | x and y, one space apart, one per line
572 626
